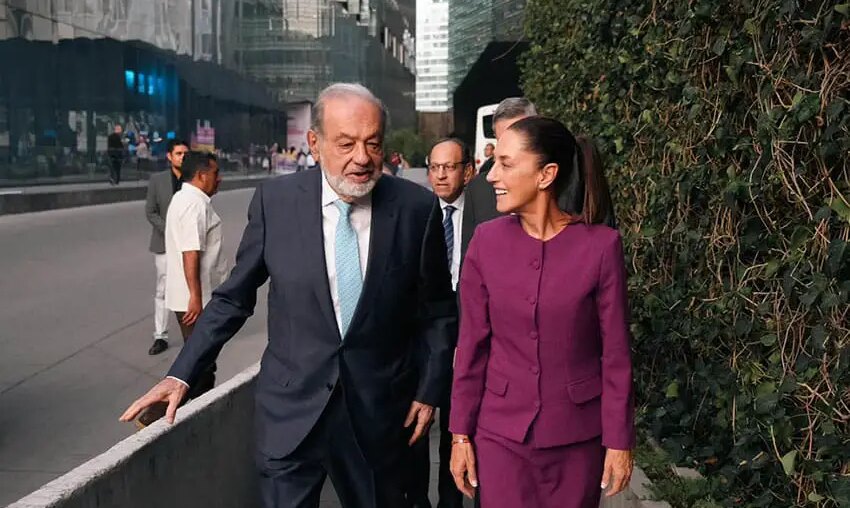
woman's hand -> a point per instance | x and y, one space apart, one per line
462 465
616 473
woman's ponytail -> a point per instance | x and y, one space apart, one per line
597 207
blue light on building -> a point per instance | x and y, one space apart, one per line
151 85
130 78
141 83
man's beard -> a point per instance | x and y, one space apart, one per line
343 187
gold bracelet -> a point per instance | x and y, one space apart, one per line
460 440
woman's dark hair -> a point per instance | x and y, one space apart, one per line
580 186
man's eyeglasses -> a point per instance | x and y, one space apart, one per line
448 167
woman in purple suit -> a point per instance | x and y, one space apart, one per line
542 405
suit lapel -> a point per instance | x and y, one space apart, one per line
384 219
309 210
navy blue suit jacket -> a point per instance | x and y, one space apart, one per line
399 345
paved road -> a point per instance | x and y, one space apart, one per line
75 326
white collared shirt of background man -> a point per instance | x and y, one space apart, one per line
192 225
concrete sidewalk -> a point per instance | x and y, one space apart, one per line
39 198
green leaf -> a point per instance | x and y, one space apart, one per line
719 46
769 339
765 389
840 207
843 9
618 144
819 336
672 390
822 214
835 258
815 497
772 267
788 462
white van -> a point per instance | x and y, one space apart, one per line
483 133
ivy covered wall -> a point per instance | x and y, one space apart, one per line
725 127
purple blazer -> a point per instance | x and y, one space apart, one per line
544 337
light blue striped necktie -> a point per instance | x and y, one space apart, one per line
349 280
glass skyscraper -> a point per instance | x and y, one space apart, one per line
432 56
473 24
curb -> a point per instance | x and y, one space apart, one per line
15 203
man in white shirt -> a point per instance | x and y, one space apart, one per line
194 265
193 241
450 169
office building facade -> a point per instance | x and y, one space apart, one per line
298 47
432 56
219 72
476 23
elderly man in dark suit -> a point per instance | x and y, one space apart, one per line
161 188
362 319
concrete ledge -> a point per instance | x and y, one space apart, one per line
12 201
204 459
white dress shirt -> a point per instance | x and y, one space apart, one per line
191 224
457 221
361 222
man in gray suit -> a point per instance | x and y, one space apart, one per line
161 187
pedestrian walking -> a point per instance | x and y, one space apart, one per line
115 150
161 188
194 265
544 328
359 348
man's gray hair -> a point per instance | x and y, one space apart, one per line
514 107
337 90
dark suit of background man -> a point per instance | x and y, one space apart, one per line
450 168
487 165
161 188
115 151
362 318
480 196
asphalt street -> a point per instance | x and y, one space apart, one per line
75 326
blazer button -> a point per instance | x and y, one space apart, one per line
533 335
535 264
535 370
532 300
330 387
537 404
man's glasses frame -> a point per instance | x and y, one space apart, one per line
448 167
